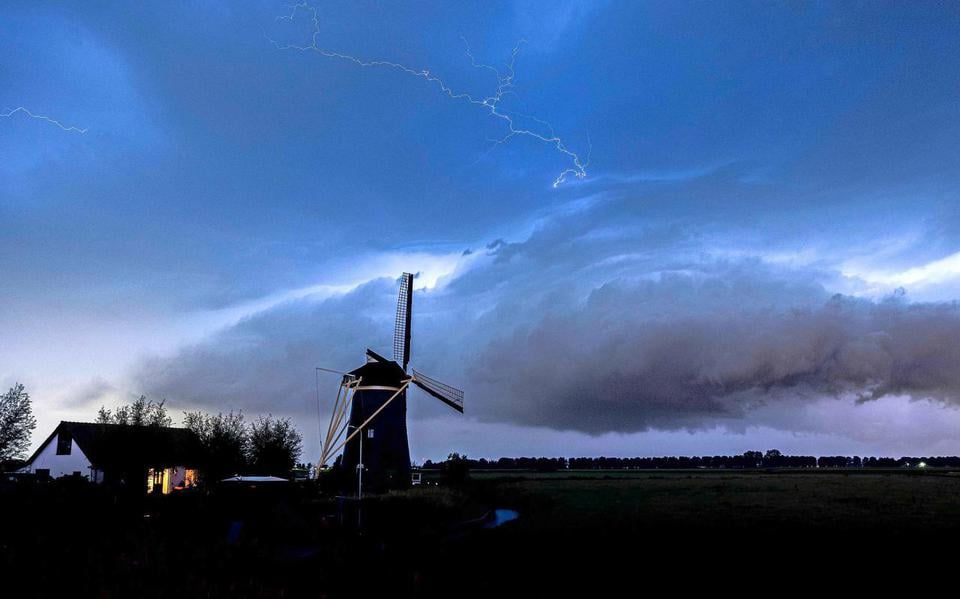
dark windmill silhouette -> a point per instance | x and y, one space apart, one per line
375 395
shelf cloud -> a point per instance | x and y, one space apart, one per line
635 336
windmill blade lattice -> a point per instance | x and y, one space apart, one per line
451 396
401 329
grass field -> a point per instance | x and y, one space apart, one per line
755 501
889 500
696 528
691 529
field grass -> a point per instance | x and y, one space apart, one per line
694 529
634 500
592 529
842 510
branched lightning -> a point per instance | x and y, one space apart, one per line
22 110
490 103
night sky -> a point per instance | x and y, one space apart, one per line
203 203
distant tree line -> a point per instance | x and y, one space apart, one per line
748 460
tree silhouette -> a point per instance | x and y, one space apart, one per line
142 412
225 441
16 423
275 445
456 470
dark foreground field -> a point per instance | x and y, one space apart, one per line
752 502
576 533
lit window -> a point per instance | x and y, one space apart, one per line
167 476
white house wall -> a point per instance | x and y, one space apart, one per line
61 465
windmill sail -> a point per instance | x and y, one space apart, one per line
451 396
401 330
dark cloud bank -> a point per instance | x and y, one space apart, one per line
575 330
608 367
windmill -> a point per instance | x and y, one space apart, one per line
375 396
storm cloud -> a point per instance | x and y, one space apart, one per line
614 366
212 249
593 329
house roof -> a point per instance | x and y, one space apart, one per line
107 445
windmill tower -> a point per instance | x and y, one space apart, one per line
375 396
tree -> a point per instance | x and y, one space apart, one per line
773 458
456 470
275 445
16 423
142 412
753 459
103 416
225 441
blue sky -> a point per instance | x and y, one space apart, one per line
235 213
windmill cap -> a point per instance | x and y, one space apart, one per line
380 372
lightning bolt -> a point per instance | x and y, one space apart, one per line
490 103
21 109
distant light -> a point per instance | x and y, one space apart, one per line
922 465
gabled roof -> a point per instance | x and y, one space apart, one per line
107 445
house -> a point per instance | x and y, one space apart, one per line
156 459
